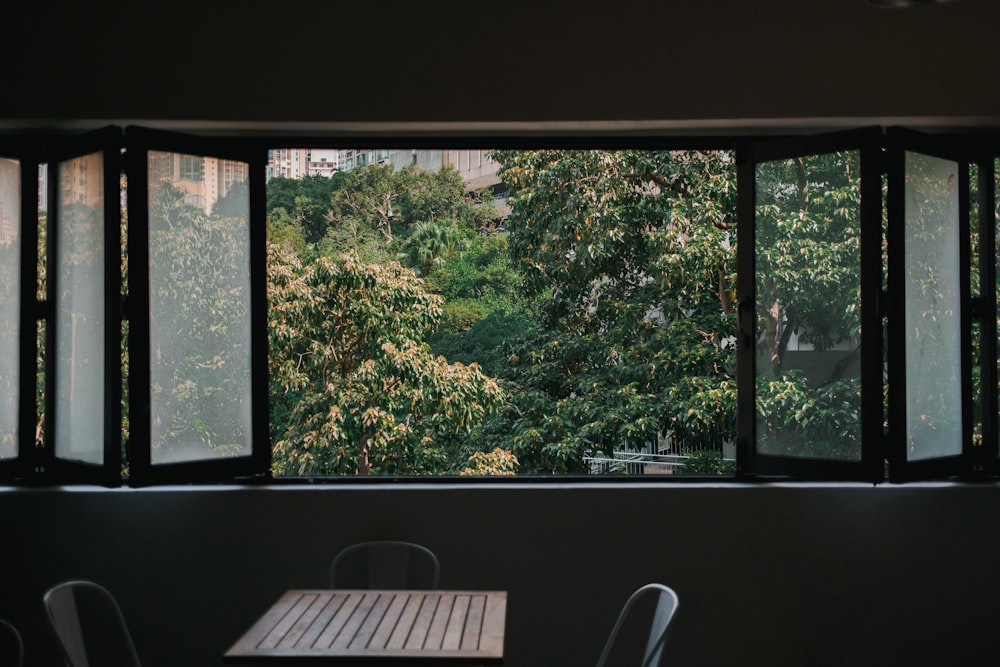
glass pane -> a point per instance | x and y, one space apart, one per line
933 329
808 384
10 303
79 299
199 291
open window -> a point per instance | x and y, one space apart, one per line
866 310
929 360
858 317
76 311
810 383
196 327
18 200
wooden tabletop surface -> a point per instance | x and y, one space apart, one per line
306 625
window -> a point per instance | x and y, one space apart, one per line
812 307
190 169
196 354
10 305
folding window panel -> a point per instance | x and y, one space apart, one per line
197 331
985 330
810 376
930 368
18 200
81 429
989 221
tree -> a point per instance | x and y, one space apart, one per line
365 198
306 200
808 293
354 390
431 243
628 259
376 197
235 203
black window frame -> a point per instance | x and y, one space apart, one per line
984 307
36 461
27 464
881 150
139 142
750 462
900 141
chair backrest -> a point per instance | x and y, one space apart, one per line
385 564
89 625
659 616
11 645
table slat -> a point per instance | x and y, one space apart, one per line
456 624
373 621
333 630
435 636
304 621
422 624
321 621
473 622
331 625
353 624
494 616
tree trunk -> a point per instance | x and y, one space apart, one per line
364 466
725 298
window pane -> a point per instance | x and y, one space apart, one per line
79 299
808 385
199 277
10 303
933 329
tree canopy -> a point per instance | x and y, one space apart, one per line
354 387
603 306
628 259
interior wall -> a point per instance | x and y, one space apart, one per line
767 575
681 64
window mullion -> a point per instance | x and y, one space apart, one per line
987 258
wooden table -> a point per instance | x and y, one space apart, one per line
377 627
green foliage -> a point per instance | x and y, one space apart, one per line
365 200
430 244
707 462
235 203
605 308
284 231
354 390
306 200
483 342
808 287
459 315
497 462
795 419
629 260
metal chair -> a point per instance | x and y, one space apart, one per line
11 645
664 605
387 564
89 625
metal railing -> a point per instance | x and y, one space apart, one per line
669 459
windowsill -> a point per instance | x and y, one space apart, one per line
493 485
